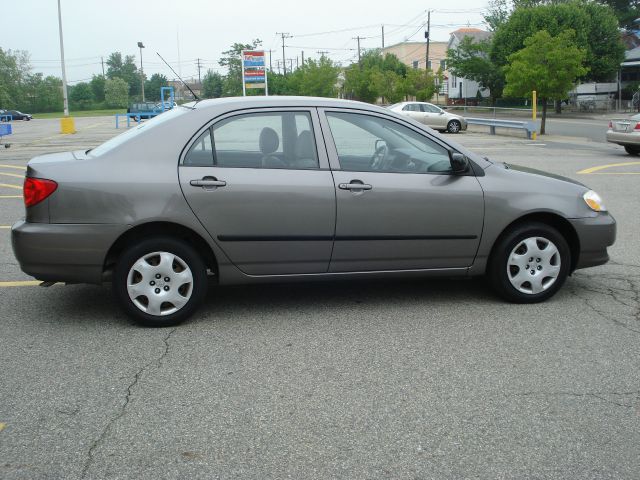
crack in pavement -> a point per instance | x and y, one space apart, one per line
625 294
598 395
122 410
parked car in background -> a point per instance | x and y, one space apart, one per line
18 115
290 189
431 115
625 132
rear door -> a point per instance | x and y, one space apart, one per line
263 191
399 207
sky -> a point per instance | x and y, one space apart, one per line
183 31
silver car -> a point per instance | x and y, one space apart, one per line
431 115
625 132
282 189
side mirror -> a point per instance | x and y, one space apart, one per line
459 163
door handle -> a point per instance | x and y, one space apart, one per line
208 182
354 186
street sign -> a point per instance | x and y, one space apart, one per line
254 72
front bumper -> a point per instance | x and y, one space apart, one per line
595 234
622 138
63 252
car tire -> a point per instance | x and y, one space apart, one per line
160 282
631 150
454 126
529 247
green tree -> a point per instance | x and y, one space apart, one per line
212 84
14 73
153 85
420 84
549 65
595 26
42 94
81 96
97 87
232 61
126 70
627 11
316 78
116 93
471 60
376 76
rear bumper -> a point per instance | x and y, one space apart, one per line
623 138
63 252
595 235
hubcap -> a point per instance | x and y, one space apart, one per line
160 283
533 265
454 127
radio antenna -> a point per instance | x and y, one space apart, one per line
183 82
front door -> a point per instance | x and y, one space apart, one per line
399 207
262 190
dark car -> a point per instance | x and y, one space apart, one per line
18 115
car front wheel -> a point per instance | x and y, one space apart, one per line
160 282
530 263
454 126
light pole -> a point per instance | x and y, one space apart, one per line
64 73
141 46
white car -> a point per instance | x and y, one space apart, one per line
625 132
431 115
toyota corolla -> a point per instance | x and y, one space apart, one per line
281 189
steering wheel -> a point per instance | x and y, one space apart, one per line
378 158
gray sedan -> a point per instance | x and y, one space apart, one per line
625 132
431 115
282 189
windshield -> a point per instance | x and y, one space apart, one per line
135 131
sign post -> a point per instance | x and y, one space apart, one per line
254 72
534 111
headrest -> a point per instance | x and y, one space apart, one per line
304 145
269 141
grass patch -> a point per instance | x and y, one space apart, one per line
82 113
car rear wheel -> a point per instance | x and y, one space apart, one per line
160 282
454 126
530 263
631 150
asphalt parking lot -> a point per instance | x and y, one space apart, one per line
364 380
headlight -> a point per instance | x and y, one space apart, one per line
594 201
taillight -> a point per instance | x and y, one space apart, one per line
37 189
637 127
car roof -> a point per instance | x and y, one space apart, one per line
281 101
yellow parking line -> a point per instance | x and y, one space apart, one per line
13 166
604 167
10 196
12 175
4 227
11 185
24 283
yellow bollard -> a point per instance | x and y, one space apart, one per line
67 125
534 107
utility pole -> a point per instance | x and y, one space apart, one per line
270 64
297 62
284 60
199 67
322 53
427 35
290 64
65 98
102 62
303 58
358 39
383 36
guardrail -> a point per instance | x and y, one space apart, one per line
136 116
492 123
